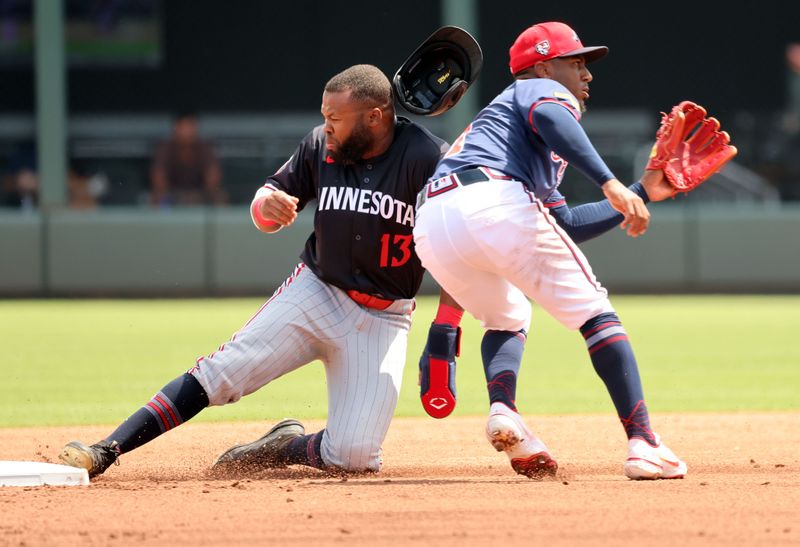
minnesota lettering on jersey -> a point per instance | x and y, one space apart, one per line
338 198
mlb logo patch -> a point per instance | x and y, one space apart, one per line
439 186
543 47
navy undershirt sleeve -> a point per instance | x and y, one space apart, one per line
590 220
562 133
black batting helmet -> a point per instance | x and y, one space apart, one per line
434 78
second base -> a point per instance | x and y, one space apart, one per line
13 473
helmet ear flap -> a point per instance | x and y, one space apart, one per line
435 77
454 94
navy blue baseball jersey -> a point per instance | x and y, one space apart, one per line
362 237
504 137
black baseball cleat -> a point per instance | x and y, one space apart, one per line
95 459
264 453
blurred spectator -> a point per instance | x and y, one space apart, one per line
20 184
84 187
185 169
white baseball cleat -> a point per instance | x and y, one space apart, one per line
508 433
647 462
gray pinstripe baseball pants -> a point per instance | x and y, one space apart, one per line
363 351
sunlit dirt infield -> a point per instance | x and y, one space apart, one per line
441 484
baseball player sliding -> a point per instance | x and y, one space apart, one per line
348 303
493 229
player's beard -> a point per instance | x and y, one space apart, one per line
352 150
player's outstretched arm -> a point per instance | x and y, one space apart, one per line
589 220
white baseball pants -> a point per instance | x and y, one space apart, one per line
492 244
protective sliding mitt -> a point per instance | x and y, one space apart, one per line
437 370
689 147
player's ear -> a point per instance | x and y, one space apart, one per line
375 116
542 70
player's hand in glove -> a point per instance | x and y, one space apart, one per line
689 147
657 186
437 370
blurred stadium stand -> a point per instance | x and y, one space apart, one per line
253 71
257 94
253 146
250 147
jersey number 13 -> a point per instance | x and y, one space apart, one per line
395 250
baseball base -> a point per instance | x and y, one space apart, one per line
15 473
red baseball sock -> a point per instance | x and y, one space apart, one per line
448 315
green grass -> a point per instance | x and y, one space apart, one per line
97 361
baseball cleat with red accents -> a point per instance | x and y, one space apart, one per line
527 453
648 462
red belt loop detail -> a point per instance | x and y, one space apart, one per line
369 301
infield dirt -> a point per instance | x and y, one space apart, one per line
441 484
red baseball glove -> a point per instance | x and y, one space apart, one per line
689 147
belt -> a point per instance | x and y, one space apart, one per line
441 185
369 301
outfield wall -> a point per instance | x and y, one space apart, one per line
135 252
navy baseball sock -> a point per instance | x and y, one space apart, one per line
178 401
502 357
613 360
306 450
